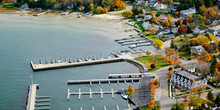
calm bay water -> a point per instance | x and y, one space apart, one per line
26 38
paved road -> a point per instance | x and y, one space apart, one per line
165 101
115 12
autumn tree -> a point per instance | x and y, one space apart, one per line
185 21
151 105
169 73
199 19
81 8
195 101
181 30
202 9
130 90
98 10
176 13
202 39
105 10
169 18
166 24
172 44
153 13
205 57
169 52
127 13
91 6
196 42
119 5
211 37
205 45
154 19
153 31
156 82
203 68
148 52
158 44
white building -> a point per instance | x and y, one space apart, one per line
211 31
146 25
147 17
187 80
196 50
196 31
160 6
190 11
159 35
174 30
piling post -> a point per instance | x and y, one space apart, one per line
81 108
112 93
79 93
68 94
125 82
118 82
104 108
90 83
109 82
117 107
93 108
99 83
90 93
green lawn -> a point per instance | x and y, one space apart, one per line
8 5
186 54
153 37
160 60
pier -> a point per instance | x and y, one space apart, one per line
106 108
128 75
32 97
91 81
90 93
39 67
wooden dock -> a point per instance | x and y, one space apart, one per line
32 97
91 81
128 75
106 108
90 93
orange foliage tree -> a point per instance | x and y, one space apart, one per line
154 19
151 105
205 44
153 13
130 90
205 57
156 82
169 52
153 31
152 89
169 73
196 41
166 24
119 5
169 18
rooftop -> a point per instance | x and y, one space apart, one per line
188 75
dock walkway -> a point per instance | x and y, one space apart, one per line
31 97
39 67
90 93
90 81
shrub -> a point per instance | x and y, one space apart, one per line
153 66
99 10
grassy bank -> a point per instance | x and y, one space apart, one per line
159 60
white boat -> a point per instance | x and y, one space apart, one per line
132 46
125 96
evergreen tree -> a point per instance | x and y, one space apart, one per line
217 100
210 96
212 67
172 45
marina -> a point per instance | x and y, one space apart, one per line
32 97
107 108
128 75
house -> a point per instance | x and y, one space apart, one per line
24 7
196 31
160 6
140 19
144 3
211 31
56 5
174 30
147 17
190 11
70 7
137 2
146 25
166 31
156 27
159 35
196 50
171 36
187 80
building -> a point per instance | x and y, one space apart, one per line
196 31
146 25
160 6
174 30
211 31
190 11
196 50
187 80
147 17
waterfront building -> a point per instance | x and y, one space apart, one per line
187 80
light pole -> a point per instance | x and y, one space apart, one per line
31 80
